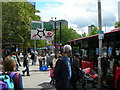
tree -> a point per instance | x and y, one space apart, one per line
94 31
117 24
16 20
67 34
84 34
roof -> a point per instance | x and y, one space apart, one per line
114 30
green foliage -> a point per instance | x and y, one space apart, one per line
83 35
117 24
40 43
94 31
16 19
67 34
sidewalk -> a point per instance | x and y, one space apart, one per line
37 79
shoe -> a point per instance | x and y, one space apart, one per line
28 75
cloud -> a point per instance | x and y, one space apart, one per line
80 13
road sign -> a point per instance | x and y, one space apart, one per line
48 26
36 25
39 32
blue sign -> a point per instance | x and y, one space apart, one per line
109 50
100 32
97 51
16 49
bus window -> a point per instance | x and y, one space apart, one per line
84 52
117 51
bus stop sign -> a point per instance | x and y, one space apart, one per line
101 35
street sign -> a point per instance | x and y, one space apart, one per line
39 32
48 26
100 32
101 35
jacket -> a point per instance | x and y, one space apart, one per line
61 73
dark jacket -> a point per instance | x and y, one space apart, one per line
25 62
61 73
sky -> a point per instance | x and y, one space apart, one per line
79 13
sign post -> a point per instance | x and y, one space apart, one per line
35 25
41 31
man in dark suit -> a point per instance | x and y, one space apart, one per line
63 72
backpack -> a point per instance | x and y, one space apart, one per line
6 81
43 68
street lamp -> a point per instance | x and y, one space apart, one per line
100 45
54 21
55 36
60 38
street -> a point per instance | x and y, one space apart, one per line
37 79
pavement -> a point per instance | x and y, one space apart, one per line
38 80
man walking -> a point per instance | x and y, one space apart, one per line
63 72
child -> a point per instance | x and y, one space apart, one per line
9 66
52 75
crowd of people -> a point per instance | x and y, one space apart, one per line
63 67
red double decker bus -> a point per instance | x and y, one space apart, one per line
88 47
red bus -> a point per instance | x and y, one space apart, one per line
88 47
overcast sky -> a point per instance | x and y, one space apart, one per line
79 13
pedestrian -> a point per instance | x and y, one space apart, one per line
32 57
15 59
54 61
63 72
52 75
76 61
47 59
76 66
18 58
26 64
36 55
40 61
9 66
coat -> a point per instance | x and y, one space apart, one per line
61 73
25 62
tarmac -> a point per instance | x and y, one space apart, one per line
38 80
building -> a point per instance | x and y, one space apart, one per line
119 11
90 28
63 22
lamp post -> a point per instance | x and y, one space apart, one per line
100 45
60 38
55 36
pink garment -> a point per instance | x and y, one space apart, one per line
51 72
